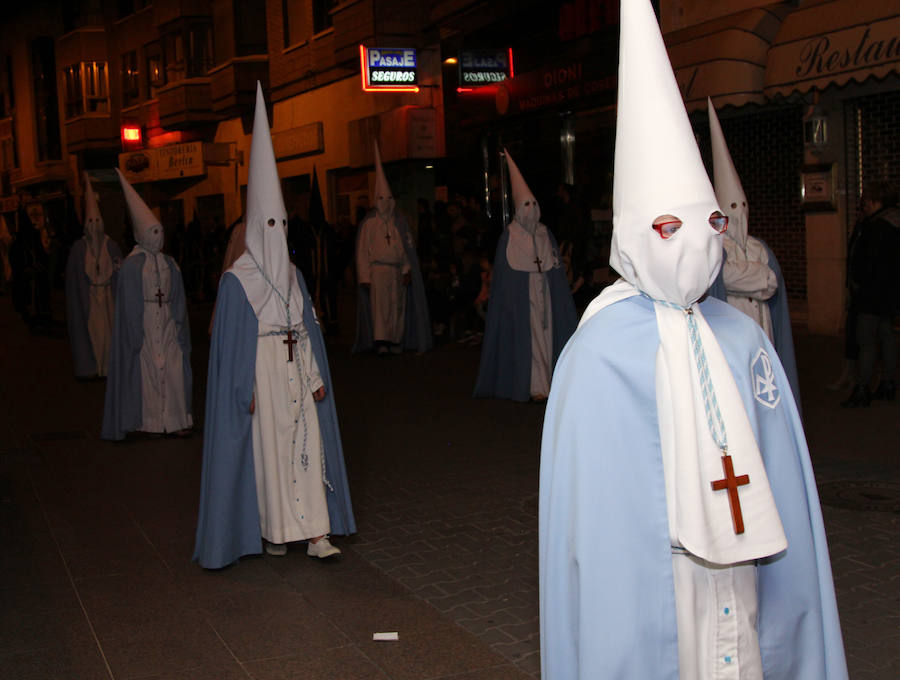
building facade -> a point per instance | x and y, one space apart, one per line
808 94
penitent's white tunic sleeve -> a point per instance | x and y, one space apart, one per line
287 445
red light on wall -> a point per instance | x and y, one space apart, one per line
512 73
131 137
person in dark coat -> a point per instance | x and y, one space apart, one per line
874 263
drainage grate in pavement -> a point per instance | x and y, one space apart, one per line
65 435
861 495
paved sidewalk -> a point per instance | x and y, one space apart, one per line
95 538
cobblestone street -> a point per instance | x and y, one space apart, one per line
95 538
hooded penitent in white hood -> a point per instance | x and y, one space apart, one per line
148 232
729 191
384 199
265 270
98 265
529 248
660 177
527 212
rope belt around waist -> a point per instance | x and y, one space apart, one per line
299 332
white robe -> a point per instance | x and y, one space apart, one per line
99 271
522 251
381 261
749 281
287 444
162 370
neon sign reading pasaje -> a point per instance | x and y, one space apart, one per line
484 67
388 69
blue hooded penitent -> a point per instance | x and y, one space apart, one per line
228 521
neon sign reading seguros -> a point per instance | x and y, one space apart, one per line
388 69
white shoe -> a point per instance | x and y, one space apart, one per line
322 548
276 549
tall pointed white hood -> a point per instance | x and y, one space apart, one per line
729 190
701 418
94 231
527 210
265 269
658 171
384 199
148 232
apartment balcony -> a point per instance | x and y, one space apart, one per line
166 11
186 103
86 44
233 84
91 132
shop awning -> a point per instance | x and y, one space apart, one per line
832 42
725 58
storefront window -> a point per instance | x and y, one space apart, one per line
7 94
127 7
46 116
249 30
130 83
74 91
156 68
188 52
292 12
78 13
322 18
87 88
9 158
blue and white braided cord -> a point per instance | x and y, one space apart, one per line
711 405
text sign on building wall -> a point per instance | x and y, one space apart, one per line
484 67
166 162
392 69
181 160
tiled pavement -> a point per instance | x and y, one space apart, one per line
95 539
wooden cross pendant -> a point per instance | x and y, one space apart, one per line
290 342
537 261
731 483
387 237
159 296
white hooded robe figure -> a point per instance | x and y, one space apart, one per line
531 313
749 280
150 382
91 270
382 265
679 524
273 464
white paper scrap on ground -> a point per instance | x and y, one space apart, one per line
386 636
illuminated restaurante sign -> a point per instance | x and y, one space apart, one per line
388 69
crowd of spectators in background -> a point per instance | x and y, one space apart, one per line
455 241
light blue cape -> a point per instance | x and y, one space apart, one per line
78 306
228 521
505 368
782 333
606 585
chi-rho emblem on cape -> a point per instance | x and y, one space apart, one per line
765 390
